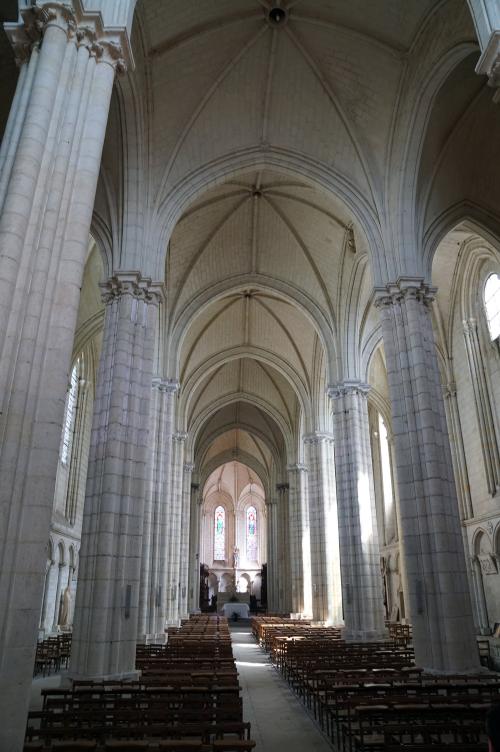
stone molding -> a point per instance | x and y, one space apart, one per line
297 468
347 388
166 385
130 283
180 436
405 288
489 63
317 438
108 44
282 487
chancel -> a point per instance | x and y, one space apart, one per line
249 365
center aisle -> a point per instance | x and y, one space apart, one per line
279 721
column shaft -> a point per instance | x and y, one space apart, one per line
325 560
362 590
50 167
194 550
431 540
153 597
184 542
106 615
175 521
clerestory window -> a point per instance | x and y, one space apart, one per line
69 416
492 305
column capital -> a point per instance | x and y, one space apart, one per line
317 437
489 63
282 487
180 436
469 325
189 467
297 468
450 390
166 385
108 44
347 388
129 283
405 288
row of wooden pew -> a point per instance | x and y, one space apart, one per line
186 696
52 654
371 696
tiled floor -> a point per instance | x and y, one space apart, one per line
279 721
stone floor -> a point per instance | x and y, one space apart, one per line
279 720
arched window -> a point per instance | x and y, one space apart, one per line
492 305
251 534
69 416
220 534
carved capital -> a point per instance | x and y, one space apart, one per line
348 388
317 438
282 487
189 467
171 386
129 283
489 63
297 468
450 390
403 290
180 437
470 326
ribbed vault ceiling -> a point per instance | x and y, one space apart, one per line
323 83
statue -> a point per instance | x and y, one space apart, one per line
65 607
236 557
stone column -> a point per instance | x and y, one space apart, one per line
483 623
43 613
273 584
282 538
485 411
458 452
174 521
153 596
50 165
57 602
185 541
325 560
194 550
362 588
429 527
106 615
296 536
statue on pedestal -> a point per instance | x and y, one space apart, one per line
236 557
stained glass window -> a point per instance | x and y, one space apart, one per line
70 414
492 304
220 534
251 534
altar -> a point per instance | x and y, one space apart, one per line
242 609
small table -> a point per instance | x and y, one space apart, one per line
242 609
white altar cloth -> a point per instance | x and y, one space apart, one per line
242 609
